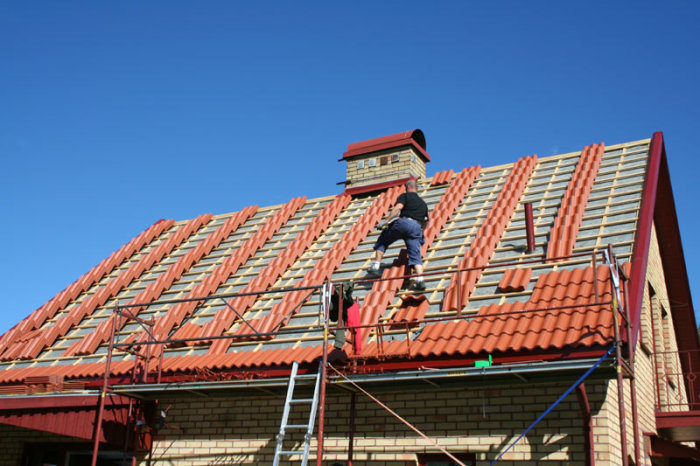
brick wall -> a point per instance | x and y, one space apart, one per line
476 419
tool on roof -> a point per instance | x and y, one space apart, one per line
288 403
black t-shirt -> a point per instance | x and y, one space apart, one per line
413 207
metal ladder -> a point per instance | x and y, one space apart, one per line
279 451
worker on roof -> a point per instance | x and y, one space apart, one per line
406 221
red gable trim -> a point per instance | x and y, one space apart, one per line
658 192
414 138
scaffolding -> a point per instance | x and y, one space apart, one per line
146 380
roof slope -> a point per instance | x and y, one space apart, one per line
485 292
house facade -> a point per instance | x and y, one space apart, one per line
557 327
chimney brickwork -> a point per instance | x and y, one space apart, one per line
382 162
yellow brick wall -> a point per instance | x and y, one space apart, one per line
467 419
409 163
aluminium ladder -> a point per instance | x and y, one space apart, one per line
309 427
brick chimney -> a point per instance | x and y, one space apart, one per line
384 162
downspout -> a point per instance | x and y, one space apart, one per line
633 383
351 440
588 439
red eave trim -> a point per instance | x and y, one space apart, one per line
43 402
375 187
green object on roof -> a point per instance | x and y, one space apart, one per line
484 363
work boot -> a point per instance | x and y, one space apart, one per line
374 272
419 285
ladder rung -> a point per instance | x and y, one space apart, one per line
297 426
302 400
291 452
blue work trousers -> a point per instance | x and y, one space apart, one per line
410 232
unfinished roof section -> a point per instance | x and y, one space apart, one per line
384 162
242 291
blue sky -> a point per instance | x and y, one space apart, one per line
115 115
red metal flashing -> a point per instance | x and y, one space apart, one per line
489 234
376 187
414 138
562 238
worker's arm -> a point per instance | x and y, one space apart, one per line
393 213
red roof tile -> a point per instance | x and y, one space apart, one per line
226 317
562 238
208 286
515 279
489 234
324 268
87 307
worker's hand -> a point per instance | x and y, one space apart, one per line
382 225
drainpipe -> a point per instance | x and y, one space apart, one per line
588 439
351 441
103 392
632 356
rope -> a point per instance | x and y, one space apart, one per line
432 442
566 393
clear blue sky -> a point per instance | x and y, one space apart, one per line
116 114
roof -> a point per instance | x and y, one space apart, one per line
241 291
